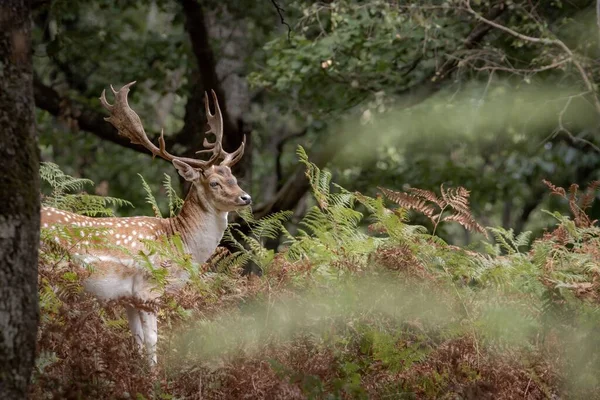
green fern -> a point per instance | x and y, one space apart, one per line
250 246
175 202
58 241
508 241
331 231
81 203
169 249
271 226
60 182
232 261
150 199
319 180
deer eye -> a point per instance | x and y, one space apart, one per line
214 184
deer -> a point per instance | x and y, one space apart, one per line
200 224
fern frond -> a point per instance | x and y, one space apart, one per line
507 240
429 195
246 214
272 225
555 189
457 198
233 260
590 194
229 238
319 179
346 218
90 205
81 203
467 221
523 239
409 201
61 182
342 199
150 199
175 202
578 214
314 220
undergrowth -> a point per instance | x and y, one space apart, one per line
359 303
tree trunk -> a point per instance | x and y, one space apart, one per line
19 202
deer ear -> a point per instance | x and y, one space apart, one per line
187 172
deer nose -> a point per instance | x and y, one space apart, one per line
246 198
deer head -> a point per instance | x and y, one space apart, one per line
211 179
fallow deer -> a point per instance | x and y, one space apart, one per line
201 223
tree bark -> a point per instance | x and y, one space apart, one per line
20 202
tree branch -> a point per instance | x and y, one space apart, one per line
280 12
550 42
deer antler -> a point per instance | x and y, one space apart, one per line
215 122
128 124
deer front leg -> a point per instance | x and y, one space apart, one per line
135 325
150 328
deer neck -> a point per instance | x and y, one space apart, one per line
200 225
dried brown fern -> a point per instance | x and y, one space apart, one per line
555 189
429 195
590 195
573 206
457 198
577 204
409 201
467 221
433 207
